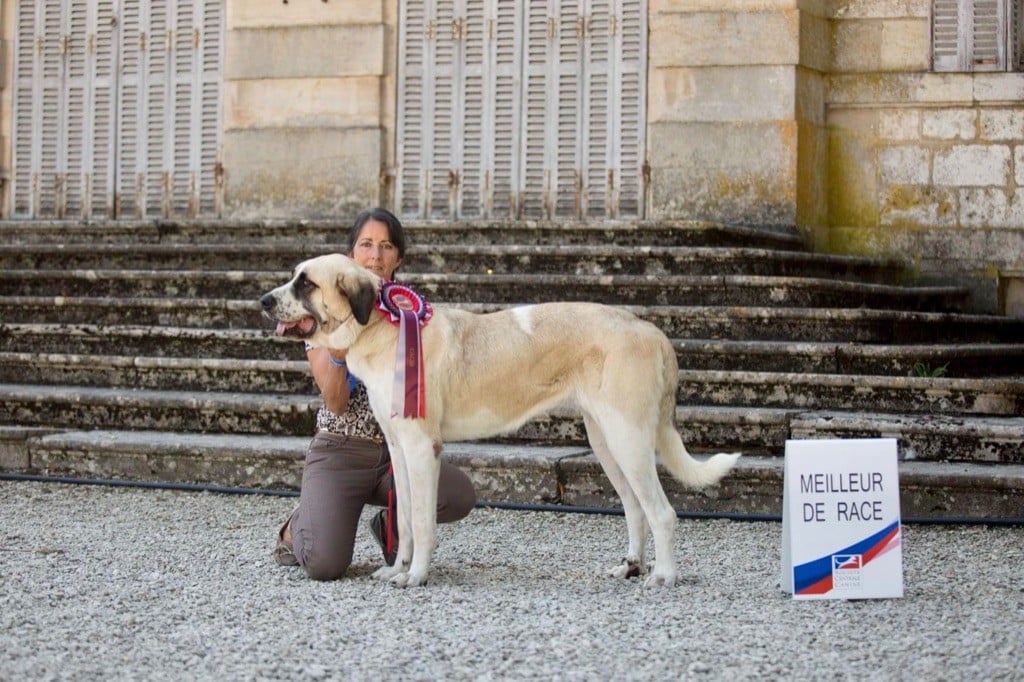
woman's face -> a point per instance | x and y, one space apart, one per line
375 251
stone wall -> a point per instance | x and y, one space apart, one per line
309 106
736 110
924 166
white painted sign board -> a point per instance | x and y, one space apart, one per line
841 532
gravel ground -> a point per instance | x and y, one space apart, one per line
119 583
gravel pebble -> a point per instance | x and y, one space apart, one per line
126 583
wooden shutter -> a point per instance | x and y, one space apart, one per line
29 50
412 50
521 108
170 108
974 35
631 43
505 112
193 139
1017 35
39 128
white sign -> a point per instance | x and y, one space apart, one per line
841 533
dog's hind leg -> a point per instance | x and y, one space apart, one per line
634 564
634 453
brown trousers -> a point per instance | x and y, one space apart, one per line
340 477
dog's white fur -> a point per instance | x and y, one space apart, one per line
489 374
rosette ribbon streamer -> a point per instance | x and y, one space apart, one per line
410 312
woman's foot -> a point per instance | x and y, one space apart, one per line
379 529
283 553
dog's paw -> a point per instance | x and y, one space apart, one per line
656 579
627 569
386 573
409 580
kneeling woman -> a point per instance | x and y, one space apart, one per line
347 464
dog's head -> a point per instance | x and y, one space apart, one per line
321 299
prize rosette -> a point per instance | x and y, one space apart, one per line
410 312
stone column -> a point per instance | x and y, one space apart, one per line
308 103
736 111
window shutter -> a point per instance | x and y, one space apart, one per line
632 118
566 166
412 50
989 37
1016 34
533 184
131 115
974 35
99 153
29 51
521 109
210 79
507 109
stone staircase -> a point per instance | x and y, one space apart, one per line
137 350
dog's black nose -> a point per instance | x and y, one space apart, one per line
267 301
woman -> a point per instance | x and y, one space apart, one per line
347 464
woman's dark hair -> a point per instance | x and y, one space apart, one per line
396 234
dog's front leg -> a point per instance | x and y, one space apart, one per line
403 558
417 466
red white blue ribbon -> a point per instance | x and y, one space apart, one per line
410 312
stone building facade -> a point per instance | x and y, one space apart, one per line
853 121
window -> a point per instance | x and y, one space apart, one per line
978 35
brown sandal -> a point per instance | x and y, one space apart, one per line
283 554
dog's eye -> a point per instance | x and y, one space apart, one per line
305 283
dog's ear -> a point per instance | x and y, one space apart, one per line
361 293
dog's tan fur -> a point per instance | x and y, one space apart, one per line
489 374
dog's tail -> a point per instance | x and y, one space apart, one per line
686 469
679 462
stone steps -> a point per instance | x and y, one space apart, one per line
955 359
808 391
534 474
786 324
648 290
463 259
334 232
836 357
209 411
138 350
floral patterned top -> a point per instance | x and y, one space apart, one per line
357 421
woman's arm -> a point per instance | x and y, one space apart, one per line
331 379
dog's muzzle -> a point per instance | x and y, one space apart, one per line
302 328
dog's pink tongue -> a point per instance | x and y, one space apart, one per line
282 327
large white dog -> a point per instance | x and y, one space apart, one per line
489 374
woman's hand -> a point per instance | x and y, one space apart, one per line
331 377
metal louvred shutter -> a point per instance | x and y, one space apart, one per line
409 145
